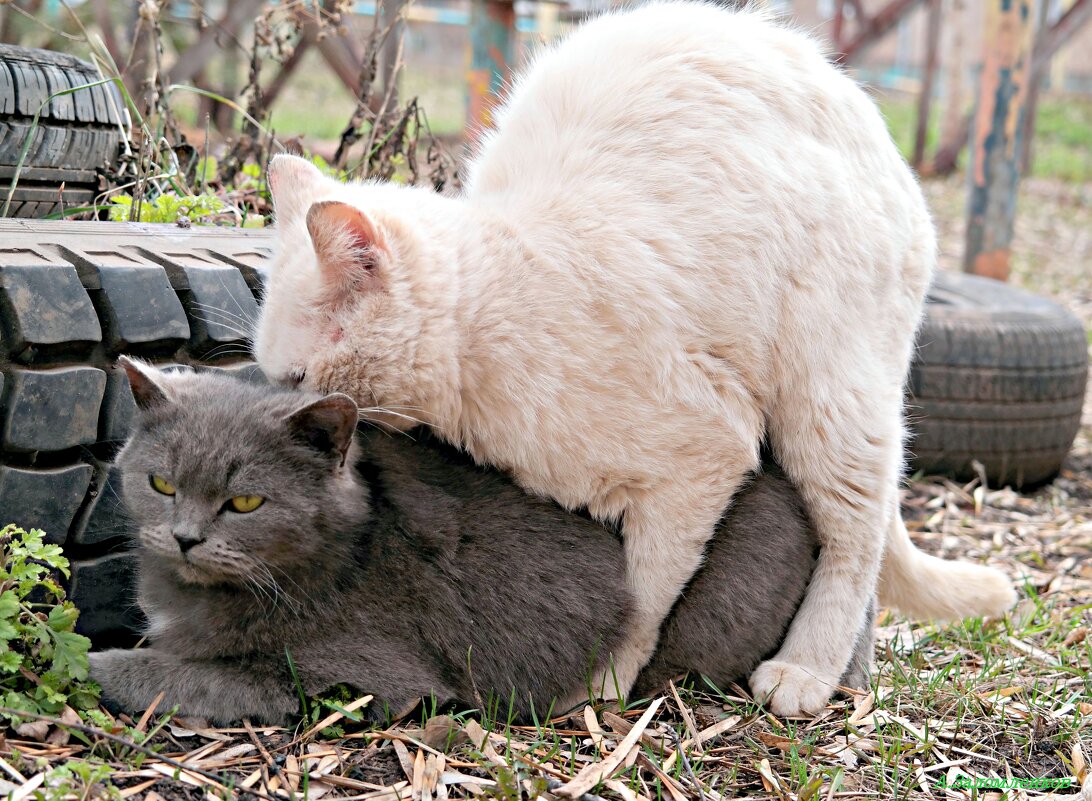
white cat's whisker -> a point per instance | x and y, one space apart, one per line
212 315
243 313
228 350
390 410
219 315
243 319
220 318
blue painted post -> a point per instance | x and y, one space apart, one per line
492 38
999 126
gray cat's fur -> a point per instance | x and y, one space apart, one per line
397 567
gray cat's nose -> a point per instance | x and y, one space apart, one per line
186 541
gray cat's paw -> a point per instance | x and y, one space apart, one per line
108 669
857 675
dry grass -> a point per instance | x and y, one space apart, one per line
1007 698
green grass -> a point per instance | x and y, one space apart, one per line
1063 140
1062 148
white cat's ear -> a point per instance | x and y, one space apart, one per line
148 385
349 244
293 183
327 425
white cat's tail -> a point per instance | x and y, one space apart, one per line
925 587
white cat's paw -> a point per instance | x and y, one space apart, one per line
789 689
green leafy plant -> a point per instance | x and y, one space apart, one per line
43 662
77 778
333 700
169 207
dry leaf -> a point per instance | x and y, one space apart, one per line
774 741
862 706
61 735
33 730
475 732
769 780
1076 636
599 771
443 733
593 727
1080 764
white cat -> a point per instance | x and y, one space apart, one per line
688 232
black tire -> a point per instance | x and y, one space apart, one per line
74 296
999 378
78 135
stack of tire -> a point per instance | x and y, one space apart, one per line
76 138
73 297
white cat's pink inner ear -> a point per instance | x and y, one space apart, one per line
347 241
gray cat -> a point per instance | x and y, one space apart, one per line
397 567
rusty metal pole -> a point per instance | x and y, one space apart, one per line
492 38
993 168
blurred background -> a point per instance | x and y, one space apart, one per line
311 54
398 89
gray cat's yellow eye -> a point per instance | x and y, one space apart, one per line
162 485
245 503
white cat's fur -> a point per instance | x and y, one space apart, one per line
689 231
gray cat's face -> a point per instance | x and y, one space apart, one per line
232 483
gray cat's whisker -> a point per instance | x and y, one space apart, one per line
310 600
270 583
249 584
269 592
262 575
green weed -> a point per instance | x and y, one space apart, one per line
43 664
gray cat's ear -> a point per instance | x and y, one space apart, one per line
293 183
327 425
147 383
350 245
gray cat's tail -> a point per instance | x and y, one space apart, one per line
925 587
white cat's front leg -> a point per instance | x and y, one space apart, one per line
843 457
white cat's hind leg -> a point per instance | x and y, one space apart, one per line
842 451
665 531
